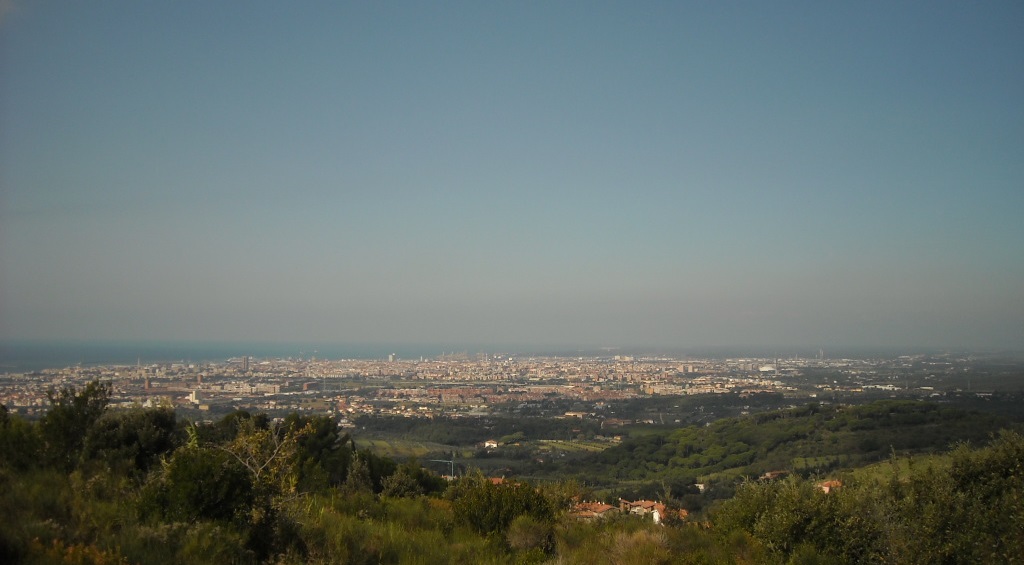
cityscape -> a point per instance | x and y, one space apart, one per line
464 385
511 283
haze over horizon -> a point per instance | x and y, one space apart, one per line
598 174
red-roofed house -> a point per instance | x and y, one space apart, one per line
593 511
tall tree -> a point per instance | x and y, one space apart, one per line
72 413
133 439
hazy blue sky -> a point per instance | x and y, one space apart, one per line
675 174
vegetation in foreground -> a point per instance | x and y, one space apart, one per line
90 485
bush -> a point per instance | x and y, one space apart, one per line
133 439
488 507
199 483
526 533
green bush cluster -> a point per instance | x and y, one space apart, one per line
138 486
964 507
90 485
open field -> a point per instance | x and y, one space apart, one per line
550 445
400 449
883 471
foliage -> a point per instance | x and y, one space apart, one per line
249 490
410 479
133 439
267 454
323 455
71 415
359 479
526 533
462 431
489 506
380 468
964 512
200 483
806 440
19 443
401 483
227 428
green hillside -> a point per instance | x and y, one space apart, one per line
87 485
960 507
807 440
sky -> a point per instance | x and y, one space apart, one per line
622 174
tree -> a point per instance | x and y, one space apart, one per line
71 415
268 454
359 479
411 479
489 507
323 455
133 438
200 483
401 483
19 443
225 429
373 468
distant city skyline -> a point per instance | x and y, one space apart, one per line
677 175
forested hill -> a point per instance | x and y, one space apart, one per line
807 440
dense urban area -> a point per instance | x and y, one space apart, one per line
478 385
